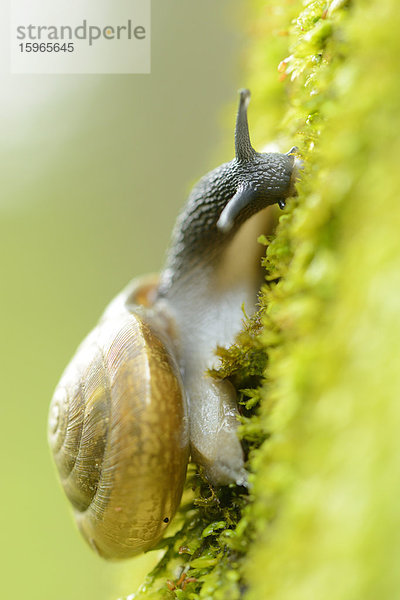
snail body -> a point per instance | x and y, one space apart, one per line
137 396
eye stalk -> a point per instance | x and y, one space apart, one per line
243 149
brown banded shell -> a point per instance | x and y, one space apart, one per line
119 434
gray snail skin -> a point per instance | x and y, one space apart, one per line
137 399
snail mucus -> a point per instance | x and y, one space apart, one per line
137 400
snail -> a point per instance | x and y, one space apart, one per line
137 398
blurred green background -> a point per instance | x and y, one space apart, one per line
93 172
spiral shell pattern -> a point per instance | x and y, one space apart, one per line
119 434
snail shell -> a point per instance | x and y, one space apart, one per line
119 431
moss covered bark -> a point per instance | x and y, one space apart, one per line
318 366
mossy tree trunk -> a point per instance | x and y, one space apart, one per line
320 379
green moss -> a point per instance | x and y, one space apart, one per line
325 479
317 367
